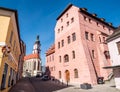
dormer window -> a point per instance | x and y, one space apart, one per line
103 27
97 24
85 18
90 21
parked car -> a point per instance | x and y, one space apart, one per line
37 76
45 78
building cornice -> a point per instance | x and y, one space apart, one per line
94 16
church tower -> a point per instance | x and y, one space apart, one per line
33 64
37 50
36 47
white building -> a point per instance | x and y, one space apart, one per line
32 62
114 48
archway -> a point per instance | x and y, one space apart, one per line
67 75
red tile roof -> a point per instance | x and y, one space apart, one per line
51 50
31 56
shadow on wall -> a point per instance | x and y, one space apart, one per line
116 73
47 71
57 81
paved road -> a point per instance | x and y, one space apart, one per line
46 86
37 85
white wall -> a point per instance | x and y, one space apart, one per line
115 56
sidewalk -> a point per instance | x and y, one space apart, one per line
23 85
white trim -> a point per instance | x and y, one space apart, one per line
2 44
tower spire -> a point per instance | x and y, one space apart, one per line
36 47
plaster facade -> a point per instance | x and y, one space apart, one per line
80 46
114 48
9 45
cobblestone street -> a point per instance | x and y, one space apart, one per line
37 85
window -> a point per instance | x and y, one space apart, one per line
97 24
75 73
4 76
73 37
61 28
53 57
68 39
68 23
107 55
103 27
92 37
90 21
93 54
61 20
59 74
66 58
104 40
50 58
58 45
58 30
10 77
86 35
72 20
62 43
47 59
85 18
34 66
11 36
51 68
100 39
73 54
38 67
118 46
66 15
60 59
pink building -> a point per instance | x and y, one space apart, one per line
80 51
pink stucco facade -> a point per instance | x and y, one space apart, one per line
79 47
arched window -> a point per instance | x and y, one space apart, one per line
75 73
38 67
66 58
34 65
59 74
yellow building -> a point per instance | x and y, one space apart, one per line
10 49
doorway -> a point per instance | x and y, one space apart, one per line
67 75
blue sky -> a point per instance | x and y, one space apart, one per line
38 17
